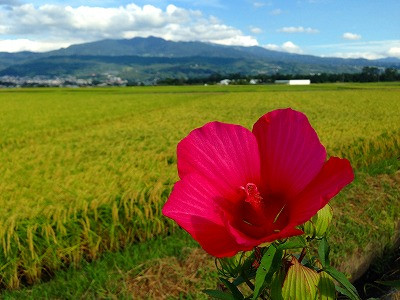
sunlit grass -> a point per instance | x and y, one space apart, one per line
164 265
88 170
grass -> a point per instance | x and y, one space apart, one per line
111 275
86 171
172 267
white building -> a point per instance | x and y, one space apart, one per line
225 82
253 81
294 82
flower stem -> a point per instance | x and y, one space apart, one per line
303 253
248 282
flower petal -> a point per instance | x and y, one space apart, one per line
335 174
224 154
290 152
214 239
247 242
195 205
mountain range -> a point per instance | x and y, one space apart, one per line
154 58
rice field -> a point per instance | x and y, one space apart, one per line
83 171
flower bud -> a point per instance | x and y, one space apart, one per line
304 283
319 224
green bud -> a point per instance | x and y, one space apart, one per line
304 283
300 282
319 224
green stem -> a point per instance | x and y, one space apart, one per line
248 282
303 253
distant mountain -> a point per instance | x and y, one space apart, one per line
8 59
154 58
151 46
390 60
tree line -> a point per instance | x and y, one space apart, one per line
367 74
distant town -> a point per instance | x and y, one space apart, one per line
69 81
368 74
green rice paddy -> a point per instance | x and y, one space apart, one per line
86 171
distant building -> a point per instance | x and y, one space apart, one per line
294 82
225 82
254 81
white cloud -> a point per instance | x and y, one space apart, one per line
28 45
291 47
366 55
236 40
299 29
276 12
351 36
255 30
66 25
285 47
394 52
259 4
367 49
272 47
3 29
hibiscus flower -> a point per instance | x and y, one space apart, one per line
240 188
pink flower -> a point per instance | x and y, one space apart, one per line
239 189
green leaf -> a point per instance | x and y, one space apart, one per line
323 252
276 285
293 243
344 291
326 287
239 280
309 228
319 224
245 275
270 263
300 282
393 283
247 268
219 294
237 295
231 266
348 289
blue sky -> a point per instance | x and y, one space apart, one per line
353 28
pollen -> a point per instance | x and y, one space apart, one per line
252 194
279 213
